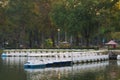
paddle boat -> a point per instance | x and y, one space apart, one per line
62 60
3 55
35 64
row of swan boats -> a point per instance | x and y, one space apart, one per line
65 59
55 57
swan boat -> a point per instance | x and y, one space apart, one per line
35 64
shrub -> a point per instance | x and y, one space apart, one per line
48 43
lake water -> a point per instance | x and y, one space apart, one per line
11 68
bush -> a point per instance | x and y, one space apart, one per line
48 43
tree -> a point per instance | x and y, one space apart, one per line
19 15
76 18
31 22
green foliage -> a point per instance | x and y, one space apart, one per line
79 19
31 22
59 16
48 43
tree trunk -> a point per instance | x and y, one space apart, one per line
87 41
30 39
77 41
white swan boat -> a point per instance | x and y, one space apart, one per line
35 64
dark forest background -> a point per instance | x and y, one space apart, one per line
58 23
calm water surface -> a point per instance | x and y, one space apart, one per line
11 68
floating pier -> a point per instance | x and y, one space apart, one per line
53 57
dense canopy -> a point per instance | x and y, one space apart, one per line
35 23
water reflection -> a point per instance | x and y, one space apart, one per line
106 70
11 68
66 73
14 60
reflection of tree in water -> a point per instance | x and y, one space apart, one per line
77 72
50 74
87 76
94 74
112 71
